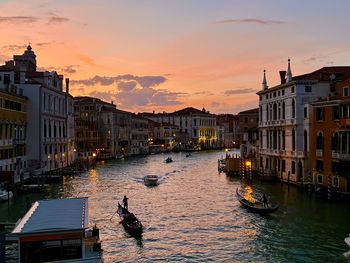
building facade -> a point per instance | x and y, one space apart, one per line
230 133
330 141
13 125
95 128
199 125
284 121
50 141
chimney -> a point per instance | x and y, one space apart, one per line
112 102
67 85
283 76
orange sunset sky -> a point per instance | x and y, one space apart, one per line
170 54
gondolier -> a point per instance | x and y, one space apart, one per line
125 202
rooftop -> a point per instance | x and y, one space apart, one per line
54 216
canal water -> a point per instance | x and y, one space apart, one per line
193 214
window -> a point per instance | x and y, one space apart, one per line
274 94
308 88
267 96
320 179
293 108
319 141
335 181
293 140
283 110
346 91
282 92
335 113
292 89
335 167
319 165
305 112
305 141
319 114
293 167
335 142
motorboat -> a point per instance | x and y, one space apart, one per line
129 221
4 195
151 180
255 206
168 160
347 240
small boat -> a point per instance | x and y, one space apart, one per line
151 180
129 221
168 160
188 155
257 207
4 195
347 240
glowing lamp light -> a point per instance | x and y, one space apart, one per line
74 150
248 163
94 155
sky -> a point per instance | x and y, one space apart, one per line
165 55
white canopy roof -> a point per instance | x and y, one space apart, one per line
54 216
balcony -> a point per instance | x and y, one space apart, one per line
19 141
340 156
319 153
344 122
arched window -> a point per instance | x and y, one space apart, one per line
293 108
293 140
319 141
283 140
305 140
335 142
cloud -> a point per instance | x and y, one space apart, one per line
70 69
22 47
319 59
57 20
133 91
143 81
240 91
252 21
18 19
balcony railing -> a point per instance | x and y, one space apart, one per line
19 141
319 153
344 122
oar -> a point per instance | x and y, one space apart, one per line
113 215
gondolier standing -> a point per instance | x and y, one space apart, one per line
125 202
266 204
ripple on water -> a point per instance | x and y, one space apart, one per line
193 215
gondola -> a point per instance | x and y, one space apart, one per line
257 207
129 221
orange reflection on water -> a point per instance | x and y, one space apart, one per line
248 194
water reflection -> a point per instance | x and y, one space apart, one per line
193 214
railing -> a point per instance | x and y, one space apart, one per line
19 141
344 156
335 154
345 122
319 153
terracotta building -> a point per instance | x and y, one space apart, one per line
330 140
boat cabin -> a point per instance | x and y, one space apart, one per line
57 230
